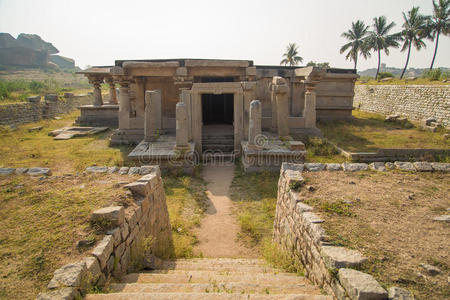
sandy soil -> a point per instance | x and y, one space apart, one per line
217 233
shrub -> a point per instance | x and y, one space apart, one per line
434 74
382 75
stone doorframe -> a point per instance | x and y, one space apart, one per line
217 88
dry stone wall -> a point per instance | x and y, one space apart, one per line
417 102
21 113
135 236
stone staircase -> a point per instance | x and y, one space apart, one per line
218 143
216 278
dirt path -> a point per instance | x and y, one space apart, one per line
218 231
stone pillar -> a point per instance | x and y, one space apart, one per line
140 96
185 97
181 128
310 105
152 119
238 121
281 90
254 128
98 101
273 102
124 107
112 92
248 88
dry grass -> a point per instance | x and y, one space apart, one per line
41 221
397 81
389 218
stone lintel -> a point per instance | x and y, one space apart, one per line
216 63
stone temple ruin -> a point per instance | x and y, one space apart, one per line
178 111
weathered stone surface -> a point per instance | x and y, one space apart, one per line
361 286
138 188
21 170
443 218
389 165
133 171
6 171
51 97
440 167
290 166
353 167
68 293
423 166
341 257
314 167
69 275
296 145
39 171
146 170
311 217
93 270
301 207
34 99
113 215
431 270
116 233
378 166
103 250
35 42
113 169
333 167
404 166
95 169
124 170
396 293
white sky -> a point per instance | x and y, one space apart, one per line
97 32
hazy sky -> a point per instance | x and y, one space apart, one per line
98 32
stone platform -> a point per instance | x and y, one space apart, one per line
162 152
104 115
271 153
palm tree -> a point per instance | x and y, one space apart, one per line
379 39
414 31
439 23
291 56
356 35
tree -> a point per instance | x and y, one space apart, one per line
414 31
325 65
379 39
356 35
439 23
291 56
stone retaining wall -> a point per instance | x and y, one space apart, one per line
298 231
21 113
417 102
135 235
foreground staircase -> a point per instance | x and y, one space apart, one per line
218 278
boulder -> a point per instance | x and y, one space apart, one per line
431 270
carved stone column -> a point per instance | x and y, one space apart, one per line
96 82
124 106
310 104
181 128
185 97
140 96
112 91
254 128
249 89
152 121
281 91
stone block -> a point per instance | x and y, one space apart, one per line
21 170
110 264
290 166
361 286
93 270
404 166
119 250
144 170
134 171
51 97
124 231
116 234
333 167
69 275
138 188
353 167
443 218
311 217
396 293
113 169
378 166
440 167
423 166
39 171
389 165
112 215
296 145
103 250
314 167
95 169
341 257
6 171
68 293
34 99
123 170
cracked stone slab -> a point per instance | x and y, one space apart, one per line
95 169
341 257
69 275
361 286
333 167
353 167
423 166
314 167
405 166
378 166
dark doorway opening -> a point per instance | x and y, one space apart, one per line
217 109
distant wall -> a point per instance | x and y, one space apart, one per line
21 113
416 102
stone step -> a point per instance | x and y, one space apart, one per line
223 148
197 296
213 276
216 266
231 287
218 142
217 136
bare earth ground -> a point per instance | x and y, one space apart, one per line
389 218
218 231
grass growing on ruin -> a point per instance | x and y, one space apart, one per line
398 81
388 217
368 132
41 220
186 201
21 148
